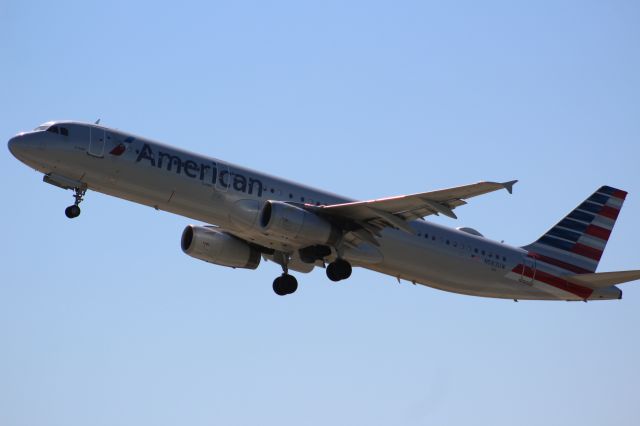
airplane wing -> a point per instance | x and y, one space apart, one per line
374 215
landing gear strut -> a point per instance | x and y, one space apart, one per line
339 270
285 283
74 210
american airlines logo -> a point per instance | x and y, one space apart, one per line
221 176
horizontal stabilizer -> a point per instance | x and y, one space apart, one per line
603 279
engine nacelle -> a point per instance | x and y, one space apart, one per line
291 223
218 247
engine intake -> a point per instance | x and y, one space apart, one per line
290 223
218 247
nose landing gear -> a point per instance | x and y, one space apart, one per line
73 211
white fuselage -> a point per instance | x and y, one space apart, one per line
215 192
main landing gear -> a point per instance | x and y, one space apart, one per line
339 270
285 284
73 211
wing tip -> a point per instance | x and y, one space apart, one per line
509 185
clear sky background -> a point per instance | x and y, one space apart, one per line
104 321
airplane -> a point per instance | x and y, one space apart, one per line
249 216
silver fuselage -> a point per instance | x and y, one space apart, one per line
215 192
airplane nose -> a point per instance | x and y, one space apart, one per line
14 145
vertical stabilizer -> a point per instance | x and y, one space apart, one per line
577 242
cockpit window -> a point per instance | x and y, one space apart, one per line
44 126
50 127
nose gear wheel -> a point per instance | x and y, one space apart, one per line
73 211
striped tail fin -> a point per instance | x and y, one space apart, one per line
576 243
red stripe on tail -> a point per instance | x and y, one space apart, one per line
559 263
598 232
586 251
609 212
552 280
619 194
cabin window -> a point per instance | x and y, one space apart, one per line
447 242
483 252
475 250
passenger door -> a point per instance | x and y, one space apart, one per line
96 141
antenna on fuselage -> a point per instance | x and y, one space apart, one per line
97 121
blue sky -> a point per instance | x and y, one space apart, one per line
104 321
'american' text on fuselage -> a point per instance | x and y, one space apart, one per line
222 176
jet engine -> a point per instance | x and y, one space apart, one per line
218 247
292 224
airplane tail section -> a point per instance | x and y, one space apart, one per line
577 242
